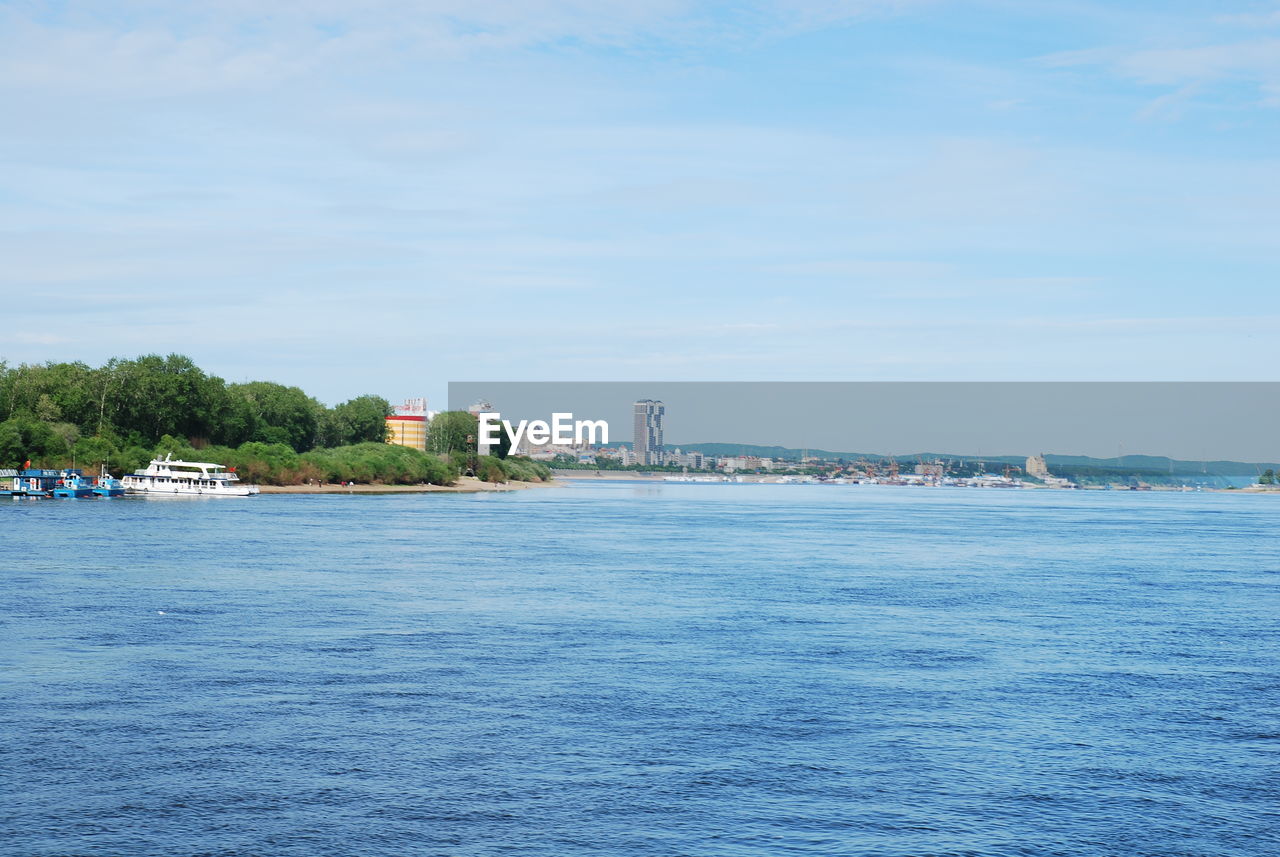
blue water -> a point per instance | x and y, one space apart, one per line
643 670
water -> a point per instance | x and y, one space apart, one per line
637 670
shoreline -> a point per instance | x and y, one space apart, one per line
464 485
757 479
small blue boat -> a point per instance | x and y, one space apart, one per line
108 486
71 482
35 482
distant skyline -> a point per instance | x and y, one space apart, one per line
382 197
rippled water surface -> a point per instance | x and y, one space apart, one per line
651 670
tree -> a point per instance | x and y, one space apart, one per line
12 444
452 431
360 420
47 409
23 438
158 395
280 414
1267 478
503 447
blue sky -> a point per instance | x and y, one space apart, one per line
374 196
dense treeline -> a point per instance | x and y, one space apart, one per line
137 402
117 413
125 412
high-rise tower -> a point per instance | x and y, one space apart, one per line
648 431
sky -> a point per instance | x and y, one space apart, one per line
383 196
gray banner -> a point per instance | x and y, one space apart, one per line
1187 421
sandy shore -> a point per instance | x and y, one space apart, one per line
465 485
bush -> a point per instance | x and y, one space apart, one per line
380 462
490 468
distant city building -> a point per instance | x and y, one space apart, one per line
647 439
407 426
733 463
930 471
677 458
692 460
1036 467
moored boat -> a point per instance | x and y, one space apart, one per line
167 476
108 486
38 482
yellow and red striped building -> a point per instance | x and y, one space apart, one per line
408 425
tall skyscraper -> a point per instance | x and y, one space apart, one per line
648 431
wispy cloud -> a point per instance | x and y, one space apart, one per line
1227 49
141 49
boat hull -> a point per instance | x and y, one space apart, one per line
191 491
71 492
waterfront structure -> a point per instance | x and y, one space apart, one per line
733 463
933 471
647 439
692 460
407 426
1037 467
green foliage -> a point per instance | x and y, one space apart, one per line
279 414
502 448
460 461
155 396
490 469
379 462
23 438
452 431
363 419
1267 478
130 406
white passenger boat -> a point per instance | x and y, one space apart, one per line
166 476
